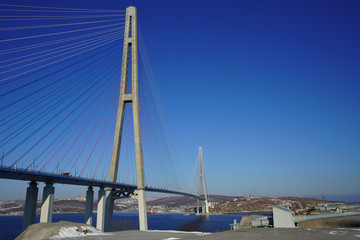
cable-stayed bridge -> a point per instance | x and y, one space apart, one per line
78 106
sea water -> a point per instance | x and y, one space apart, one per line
10 226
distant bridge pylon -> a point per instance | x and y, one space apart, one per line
202 185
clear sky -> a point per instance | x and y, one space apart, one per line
269 89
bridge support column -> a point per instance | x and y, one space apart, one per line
198 207
142 210
104 210
30 205
100 219
47 203
206 206
89 206
203 205
109 208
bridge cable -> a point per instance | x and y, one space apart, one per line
55 25
63 119
110 136
43 44
42 78
42 66
67 17
97 141
77 119
85 46
90 134
88 119
41 53
58 33
97 108
77 9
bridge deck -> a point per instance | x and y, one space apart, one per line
25 175
21 174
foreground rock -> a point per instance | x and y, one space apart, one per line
58 230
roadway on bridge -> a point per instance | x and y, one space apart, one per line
25 175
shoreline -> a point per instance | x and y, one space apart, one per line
185 213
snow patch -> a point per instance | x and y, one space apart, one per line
358 236
171 238
172 231
66 232
337 232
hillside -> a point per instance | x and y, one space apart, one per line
186 201
220 204
256 204
60 206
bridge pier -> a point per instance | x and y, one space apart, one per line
104 209
89 206
198 207
100 219
109 208
204 206
142 209
47 203
30 205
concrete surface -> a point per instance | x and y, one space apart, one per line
248 234
46 230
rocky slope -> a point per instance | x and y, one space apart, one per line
259 204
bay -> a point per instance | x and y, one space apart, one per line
10 226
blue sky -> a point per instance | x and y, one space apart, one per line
269 89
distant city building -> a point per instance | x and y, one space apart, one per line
80 198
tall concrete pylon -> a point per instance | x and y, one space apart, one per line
130 42
202 179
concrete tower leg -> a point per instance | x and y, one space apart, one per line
142 210
47 203
89 206
30 205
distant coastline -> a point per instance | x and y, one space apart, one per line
220 205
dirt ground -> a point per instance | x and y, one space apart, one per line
343 222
